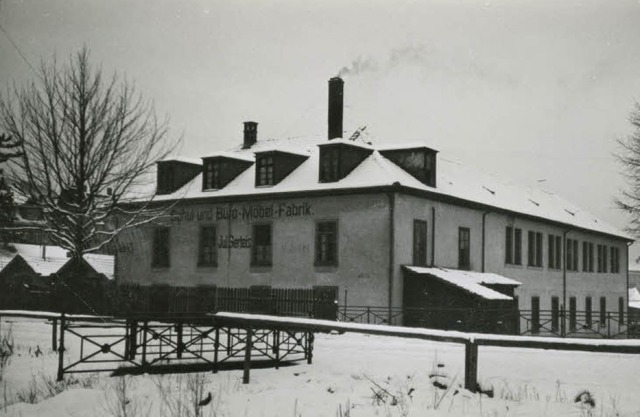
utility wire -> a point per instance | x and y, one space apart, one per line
24 58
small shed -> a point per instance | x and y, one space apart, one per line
453 299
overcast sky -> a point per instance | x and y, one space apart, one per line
534 91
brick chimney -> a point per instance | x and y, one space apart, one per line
250 134
336 95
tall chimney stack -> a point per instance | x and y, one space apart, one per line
336 95
250 134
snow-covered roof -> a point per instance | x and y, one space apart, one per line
195 161
357 143
243 156
454 180
55 258
103 264
402 146
469 281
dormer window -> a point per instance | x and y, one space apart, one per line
419 161
165 180
222 168
339 157
273 165
264 170
175 173
212 177
330 165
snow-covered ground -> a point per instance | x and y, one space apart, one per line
351 375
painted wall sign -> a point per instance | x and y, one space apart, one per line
234 242
246 213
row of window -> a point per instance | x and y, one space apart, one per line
326 249
212 178
607 260
582 319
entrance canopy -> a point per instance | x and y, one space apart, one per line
476 283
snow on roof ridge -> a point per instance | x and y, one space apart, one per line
179 158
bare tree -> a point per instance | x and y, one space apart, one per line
9 148
629 159
86 141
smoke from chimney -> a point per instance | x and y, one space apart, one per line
359 66
336 102
250 134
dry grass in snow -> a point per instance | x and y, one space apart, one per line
352 375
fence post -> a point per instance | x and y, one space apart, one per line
61 348
368 314
180 346
608 324
276 347
471 366
216 348
54 335
144 343
345 305
310 337
563 323
247 356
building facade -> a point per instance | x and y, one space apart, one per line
344 213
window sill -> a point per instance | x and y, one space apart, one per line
207 266
517 266
535 268
260 268
160 267
325 267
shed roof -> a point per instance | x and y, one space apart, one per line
469 281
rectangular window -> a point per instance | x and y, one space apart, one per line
160 256
517 248
602 258
264 173
535 248
420 243
621 310
587 312
212 175
329 164
615 260
572 314
599 258
555 314
572 255
464 248
535 315
208 253
327 243
603 311
508 245
513 246
261 245
587 257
